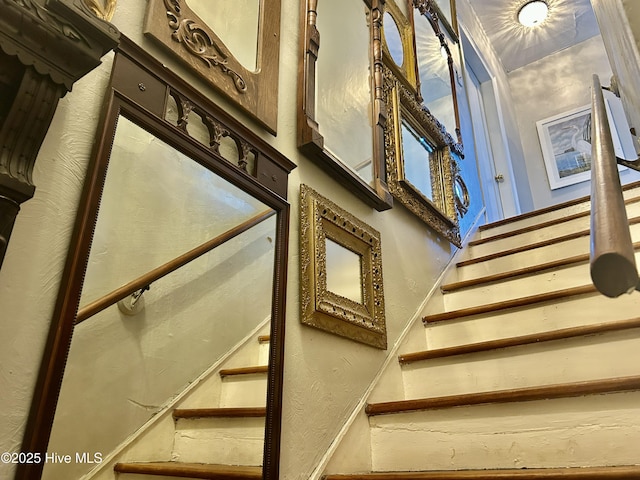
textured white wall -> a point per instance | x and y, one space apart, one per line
551 86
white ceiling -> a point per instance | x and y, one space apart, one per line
569 22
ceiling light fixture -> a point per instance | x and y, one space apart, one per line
533 13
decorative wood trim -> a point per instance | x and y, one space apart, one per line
507 304
191 470
178 29
534 338
258 369
46 49
139 89
620 472
310 140
219 412
533 228
552 208
526 394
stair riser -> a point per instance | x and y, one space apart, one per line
570 312
563 361
244 391
541 234
527 222
573 432
229 441
544 282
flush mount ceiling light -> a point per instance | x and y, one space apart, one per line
533 13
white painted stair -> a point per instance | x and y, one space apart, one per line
523 370
214 431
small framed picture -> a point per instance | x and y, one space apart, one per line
566 148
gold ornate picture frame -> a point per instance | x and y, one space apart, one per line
398 41
439 211
326 228
175 26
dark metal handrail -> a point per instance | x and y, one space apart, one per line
613 265
171 266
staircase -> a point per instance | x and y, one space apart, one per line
216 431
523 370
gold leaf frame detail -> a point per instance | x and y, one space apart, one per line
103 9
440 214
364 322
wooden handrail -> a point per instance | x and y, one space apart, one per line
613 264
171 266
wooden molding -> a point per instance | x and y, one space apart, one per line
622 472
504 305
240 412
526 394
191 470
536 338
258 369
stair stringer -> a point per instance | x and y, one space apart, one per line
154 441
350 452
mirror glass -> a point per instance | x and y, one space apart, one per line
128 368
416 152
445 8
393 39
236 22
344 271
343 97
435 76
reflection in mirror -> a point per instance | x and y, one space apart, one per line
416 153
393 39
239 32
158 204
435 75
343 106
344 271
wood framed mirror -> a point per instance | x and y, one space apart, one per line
340 94
234 45
182 221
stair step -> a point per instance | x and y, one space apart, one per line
579 359
533 269
509 304
625 472
535 338
219 412
258 369
191 470
527 394
545 224
535 245
542 214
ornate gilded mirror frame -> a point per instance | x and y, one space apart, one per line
322 220
310 138
439 212
407 71
446 10
175 26
142 90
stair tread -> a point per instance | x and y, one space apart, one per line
453 286
618 472
551 335
244 370
524 394
532 246
191 470
507 304
551 208
220 412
